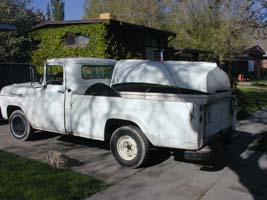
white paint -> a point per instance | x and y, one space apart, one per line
167 120
199 76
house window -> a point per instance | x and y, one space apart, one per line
82 40
152 48
70 39
73 39
97 72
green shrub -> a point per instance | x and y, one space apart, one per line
52 42
103 43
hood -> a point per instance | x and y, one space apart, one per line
16 89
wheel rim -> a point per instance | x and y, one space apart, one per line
18 126
127 147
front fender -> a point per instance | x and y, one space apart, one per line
14 102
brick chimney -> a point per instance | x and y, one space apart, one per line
106 16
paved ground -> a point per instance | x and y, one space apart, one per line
237 174
92 157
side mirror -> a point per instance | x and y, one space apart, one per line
32 76
41 80
31 69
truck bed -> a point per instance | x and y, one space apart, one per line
168 120
193 98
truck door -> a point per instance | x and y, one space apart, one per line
50 99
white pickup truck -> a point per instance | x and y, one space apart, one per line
133 104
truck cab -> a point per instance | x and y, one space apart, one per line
77 74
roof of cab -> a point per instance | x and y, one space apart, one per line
82 60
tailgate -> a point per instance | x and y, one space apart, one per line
219 114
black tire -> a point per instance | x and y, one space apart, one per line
126 136
228 135
19 126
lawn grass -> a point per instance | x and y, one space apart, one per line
22 178
262 83
249 100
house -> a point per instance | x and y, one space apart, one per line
252 64
103 37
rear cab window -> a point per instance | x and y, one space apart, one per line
97 71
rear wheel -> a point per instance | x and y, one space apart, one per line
130 147
227 135
19 126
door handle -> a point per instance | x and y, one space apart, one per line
61 91
68 90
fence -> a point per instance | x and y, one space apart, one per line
14 73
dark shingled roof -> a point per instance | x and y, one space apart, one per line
49 24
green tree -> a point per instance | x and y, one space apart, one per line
57 9
15 45
258 18
144 12
220 26
48 12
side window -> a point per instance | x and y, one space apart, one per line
97 72
54 75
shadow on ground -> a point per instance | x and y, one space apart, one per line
247 164
243 162
42 135
3 122
73 140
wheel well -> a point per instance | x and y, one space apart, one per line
11 109
113 124
101 89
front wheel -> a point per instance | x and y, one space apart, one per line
130 147
19 126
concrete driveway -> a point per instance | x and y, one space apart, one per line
238 173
